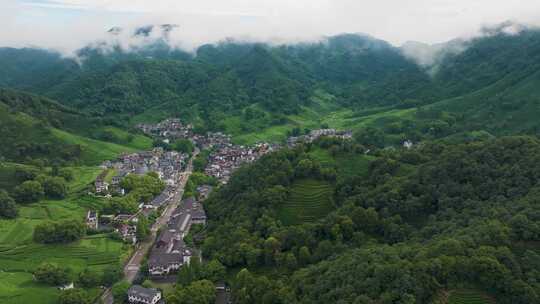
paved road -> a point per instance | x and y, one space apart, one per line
134 264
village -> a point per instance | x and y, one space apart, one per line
224 157
168 251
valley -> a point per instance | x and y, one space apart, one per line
339 171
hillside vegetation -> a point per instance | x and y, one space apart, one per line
452 217
308 201
35 128
418 222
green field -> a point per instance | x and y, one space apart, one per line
83 176
340 119
309 200
468 297
19 255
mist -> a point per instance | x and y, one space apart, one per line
68 25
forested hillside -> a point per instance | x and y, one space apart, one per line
402 229
39 131
254 90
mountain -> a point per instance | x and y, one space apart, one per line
494 83
34 69
256 90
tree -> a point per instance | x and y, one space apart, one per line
183 145
271 249
147 284
370 137
25 173
89 278
198 292
304 256
59 232
290 261
52 274
8 209
55 187
214 271
66 173
143 227
29 192
112 274
119 291
190 273
74 296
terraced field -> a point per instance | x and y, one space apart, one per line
18 262
18 287
347 164
19 255
309 200
468 296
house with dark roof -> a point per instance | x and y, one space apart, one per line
204 191
140 295
195 210
160 200
170 252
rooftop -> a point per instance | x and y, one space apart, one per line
144 293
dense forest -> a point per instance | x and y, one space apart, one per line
415 222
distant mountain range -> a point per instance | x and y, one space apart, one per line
475 80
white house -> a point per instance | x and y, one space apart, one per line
140 295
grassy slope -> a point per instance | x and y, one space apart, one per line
93 151
138 141
309 200
19 255
323 111
486 109
510 105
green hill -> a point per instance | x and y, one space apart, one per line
37 128
402 226
258 92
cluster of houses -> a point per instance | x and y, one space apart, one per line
169 129
225 159
170 252
126 224
315 134
211 140
167 164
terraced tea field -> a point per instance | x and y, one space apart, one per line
19 255
309 200
468 297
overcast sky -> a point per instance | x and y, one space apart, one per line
69 24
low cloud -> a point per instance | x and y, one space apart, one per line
68 25
429 56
